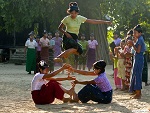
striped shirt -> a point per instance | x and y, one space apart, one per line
103 83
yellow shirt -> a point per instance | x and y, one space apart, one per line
73 25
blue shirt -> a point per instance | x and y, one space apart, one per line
117 41
140 42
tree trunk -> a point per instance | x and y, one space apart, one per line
103 47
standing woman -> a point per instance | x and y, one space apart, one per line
51 52
57 46
45 47
139 47
72 22
30 47
91 54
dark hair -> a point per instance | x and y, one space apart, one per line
37 37
138 28
116 33
45 32
31 33
49 33
123 40
73 6
82 35
101 64
42 65
92 34
130 32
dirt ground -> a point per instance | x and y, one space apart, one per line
15 96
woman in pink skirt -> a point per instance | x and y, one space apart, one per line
45 89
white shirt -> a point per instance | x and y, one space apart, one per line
37 82
92 44
30 44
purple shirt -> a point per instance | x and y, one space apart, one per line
103 83
38 47
117 41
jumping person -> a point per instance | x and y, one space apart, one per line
72 22
45 88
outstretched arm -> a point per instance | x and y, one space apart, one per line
93 21
87 73
84 82
62 79
65 66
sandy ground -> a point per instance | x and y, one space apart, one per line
15 96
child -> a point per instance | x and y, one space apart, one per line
121 63
117 80
128 62
72 22
139 47
98 90
45 89
83 57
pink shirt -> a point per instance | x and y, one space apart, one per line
127 50
44 42
92 44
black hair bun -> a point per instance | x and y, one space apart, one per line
101 64
138 28
73 4
42 65
45 32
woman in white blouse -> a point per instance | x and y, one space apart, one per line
30 50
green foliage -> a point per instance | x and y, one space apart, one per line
16 15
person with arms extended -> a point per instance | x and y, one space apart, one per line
98 90
72 22
45 88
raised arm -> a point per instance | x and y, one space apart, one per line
93 21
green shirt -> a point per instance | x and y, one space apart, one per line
73 25
115 62
84 44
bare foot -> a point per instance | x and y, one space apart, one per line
71 91
123 89
74 101
65 100
115 89
136 97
